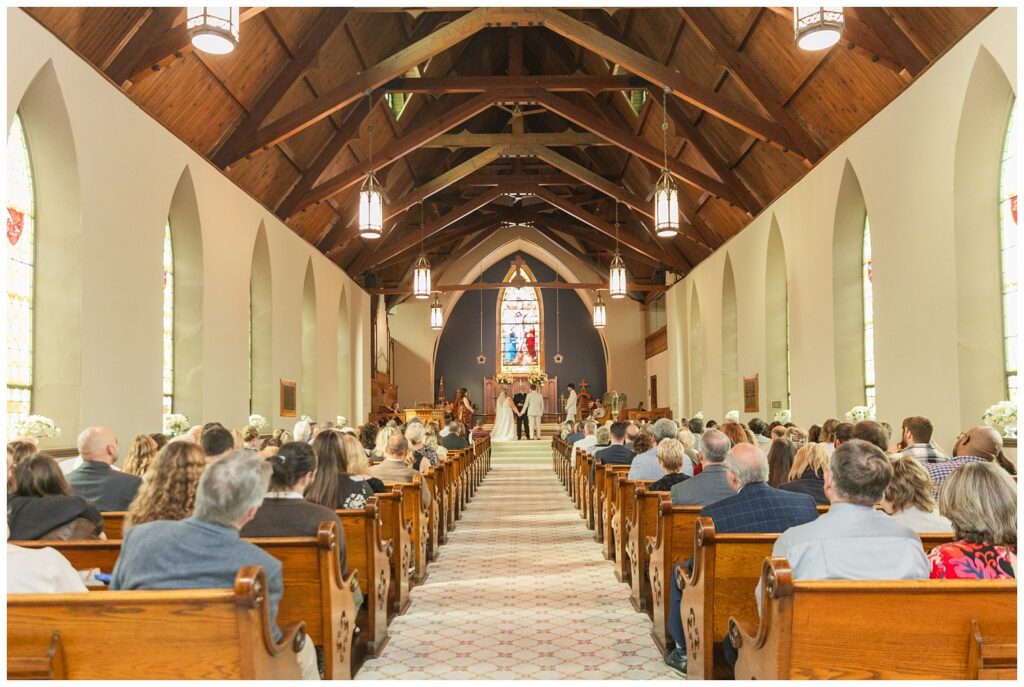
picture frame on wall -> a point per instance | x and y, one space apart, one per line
751 402
289 398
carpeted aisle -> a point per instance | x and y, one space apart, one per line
520 591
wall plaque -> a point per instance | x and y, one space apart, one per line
288 398
750 395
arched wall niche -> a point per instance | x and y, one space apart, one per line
187 245
696 336
344 352
307 392
261 292
57 302
731 392
979 147
848 291
776 320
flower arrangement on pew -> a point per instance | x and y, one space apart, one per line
858 413
37 427
259 422
732 416
784 415
175 424
1003 417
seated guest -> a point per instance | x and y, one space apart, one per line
686 438
368 436
843 433
632 429
827 438
587 442
755 507
160 439
814 434
168 490
432 442
205 551
645 465
734 431
284 513
873 433
577 432
981 501
917 441
141 453
604 436
396 465
303 431
671 455
976 445
758 427
908 499
380 444
778 432
216 442
270 447
423 456
711 483
42 505
19 450
643 442
617 453
250 438
109 490
780 461
456 439
40 571
796 435
478 429
807 476
342 477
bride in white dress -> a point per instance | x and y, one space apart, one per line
504 419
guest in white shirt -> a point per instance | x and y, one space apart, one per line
645 466
909 498
40 571
588 441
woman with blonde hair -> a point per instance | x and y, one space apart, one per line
250 435
686 438
168 490
670 456
432 442
423 456
140 455
980 499
807 476
381 443
908 498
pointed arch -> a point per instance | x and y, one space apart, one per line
520 325
777 386
261 328
186 239
848 291
345 357
731 396
988 102
55 337
308 388
696 354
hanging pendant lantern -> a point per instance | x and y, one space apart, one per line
436 315
371 199
817 28
421 278
213 30
617 269
600 316
666 195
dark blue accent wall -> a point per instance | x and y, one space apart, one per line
459 345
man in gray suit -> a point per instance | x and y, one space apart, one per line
205 551
96 480
710 484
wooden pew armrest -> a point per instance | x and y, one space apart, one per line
251 591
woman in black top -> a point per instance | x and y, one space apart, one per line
43 506
670 454
338 482
807 475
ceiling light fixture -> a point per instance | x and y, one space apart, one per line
371 202
600 315
666 195
421 270
817 28
436 315
617 270
213 30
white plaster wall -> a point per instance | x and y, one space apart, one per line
904 160
655 366
128 167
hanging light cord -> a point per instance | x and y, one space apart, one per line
616 225
369 120
422 252
664 124
558 328
481 316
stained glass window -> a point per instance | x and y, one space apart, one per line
869 320
520 329
168 320
20 275
1008 249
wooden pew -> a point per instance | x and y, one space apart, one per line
435 516
991 658
368 555
195 634
395 526
896 630
113 524
671 544
643 526
39 663
622 513
440 495
418 517
84 554
606 498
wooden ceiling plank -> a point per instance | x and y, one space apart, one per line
592 179
750 77
585 233
855 33
445 180
132 31
889 32
806 74
307 53
156 25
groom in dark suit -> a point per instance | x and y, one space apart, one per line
522 421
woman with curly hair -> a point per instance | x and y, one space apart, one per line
168 490
140 455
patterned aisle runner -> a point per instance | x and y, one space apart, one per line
520 590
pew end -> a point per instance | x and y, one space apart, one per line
991 658
32 661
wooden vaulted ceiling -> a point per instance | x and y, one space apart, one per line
512 115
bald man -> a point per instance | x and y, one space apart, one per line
976 445
96 480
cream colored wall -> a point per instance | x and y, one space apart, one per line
904 161
128 167
655 366
414 351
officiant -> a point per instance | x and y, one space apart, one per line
522 421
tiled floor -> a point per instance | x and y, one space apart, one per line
520 591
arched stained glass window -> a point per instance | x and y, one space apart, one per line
520 343
869 319
21 213
1008 250
168 374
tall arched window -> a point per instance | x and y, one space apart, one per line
520 337
168 372
1008 250
20 275
869 319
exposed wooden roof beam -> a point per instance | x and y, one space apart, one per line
571 83
568 138
592 179
894 38
581 231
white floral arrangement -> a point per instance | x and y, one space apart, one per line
785 415
38 427
537 377
503 378
699 415
858 413
175 424
259 422
307 418
1003 417
341 421
732 416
